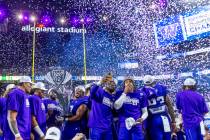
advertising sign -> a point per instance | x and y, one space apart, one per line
186 26
197 25
168 31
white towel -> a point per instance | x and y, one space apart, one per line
202 128
129 123
166 124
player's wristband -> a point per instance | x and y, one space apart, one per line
39 131
124 94
17 135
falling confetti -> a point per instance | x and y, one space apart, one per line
118 31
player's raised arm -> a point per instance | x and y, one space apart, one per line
119 102
95 89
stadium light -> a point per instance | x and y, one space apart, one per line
25 17
88 19
20 16
62 20
46 20
33 18
82 20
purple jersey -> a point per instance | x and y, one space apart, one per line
100 115
192 106
71 128
156 99
3 112
18 101
49 104
72 109
132 106
74 105
56 111
38 110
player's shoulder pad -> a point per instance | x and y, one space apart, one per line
160 85
85 100
161 88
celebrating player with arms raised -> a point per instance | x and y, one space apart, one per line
100 116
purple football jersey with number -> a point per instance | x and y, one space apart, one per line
100 115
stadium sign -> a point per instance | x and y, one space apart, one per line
29 28
186 26
197 25
168 31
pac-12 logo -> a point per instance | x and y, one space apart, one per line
58 76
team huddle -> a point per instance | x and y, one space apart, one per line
100 112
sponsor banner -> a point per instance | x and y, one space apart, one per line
186 26
197 25
168 31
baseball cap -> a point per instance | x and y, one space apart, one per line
53 133
10 86
25 79
52 92
80 88
189 82
39 85
128 78
148 79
